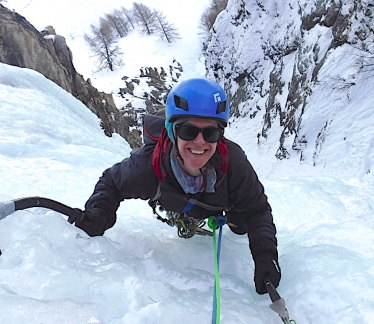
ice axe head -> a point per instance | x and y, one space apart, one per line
279 304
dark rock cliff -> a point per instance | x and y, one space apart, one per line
23 46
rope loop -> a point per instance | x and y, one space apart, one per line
215 222
212 223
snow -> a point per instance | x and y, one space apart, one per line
138 50
51 145
335 131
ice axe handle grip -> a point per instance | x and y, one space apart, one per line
274 296
7 208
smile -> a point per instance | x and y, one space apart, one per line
196 152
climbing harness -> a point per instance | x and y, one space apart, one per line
187 226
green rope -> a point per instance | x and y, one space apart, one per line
216 314
216 273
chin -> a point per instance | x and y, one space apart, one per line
195 165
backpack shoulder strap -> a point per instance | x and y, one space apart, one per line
152 126
158 157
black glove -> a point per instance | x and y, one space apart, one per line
92 222
77 214
266 266
265 255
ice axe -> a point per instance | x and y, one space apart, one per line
279 304
9 207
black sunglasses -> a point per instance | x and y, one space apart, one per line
189 133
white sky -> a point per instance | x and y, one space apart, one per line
140 271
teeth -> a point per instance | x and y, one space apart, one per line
197 152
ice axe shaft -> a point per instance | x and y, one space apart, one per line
9 207
279 304
274 296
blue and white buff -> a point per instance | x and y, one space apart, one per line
190 184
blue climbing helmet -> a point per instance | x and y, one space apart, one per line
197 97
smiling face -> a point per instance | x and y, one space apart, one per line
196 153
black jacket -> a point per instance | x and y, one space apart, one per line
239 192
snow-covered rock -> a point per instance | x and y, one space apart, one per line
297 71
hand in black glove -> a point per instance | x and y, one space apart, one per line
92 222
266 266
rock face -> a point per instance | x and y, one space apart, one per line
155 84
276 59
23 46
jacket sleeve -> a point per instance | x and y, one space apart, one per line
249 202
131 178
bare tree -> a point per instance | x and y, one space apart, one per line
364 61
129 15
210 14
164 29
103 44
207 21
145 16
219 5
119 22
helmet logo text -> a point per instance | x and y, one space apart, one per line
217 97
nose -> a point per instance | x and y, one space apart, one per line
199 139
